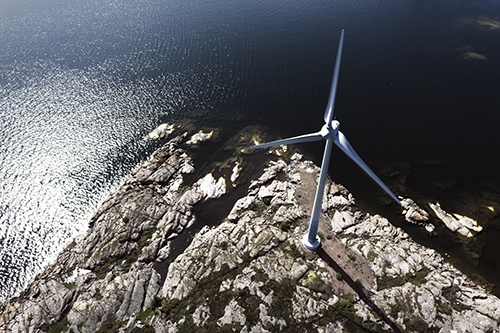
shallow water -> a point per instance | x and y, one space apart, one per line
82 83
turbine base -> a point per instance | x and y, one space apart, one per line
311 246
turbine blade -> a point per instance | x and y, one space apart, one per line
345 146
333 89
296 139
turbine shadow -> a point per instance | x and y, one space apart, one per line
357 288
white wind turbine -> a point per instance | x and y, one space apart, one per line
329 132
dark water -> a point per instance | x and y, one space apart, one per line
83 82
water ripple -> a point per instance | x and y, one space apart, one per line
68 137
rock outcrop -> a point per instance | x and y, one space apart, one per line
249 273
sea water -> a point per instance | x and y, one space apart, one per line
83 82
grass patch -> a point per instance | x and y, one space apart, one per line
251 304
207 292
257 206
371 256
344 311
110 324
290 250
145 329
286 225
444 307
416 324
315 283
416 279
260 275
145 315
451 294
395 310
281 306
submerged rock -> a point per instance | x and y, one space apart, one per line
457 223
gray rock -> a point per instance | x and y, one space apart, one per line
260 268
162 131
201 315
200 137
233 313
342 220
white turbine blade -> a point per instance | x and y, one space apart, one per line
333 89
296 139
346 147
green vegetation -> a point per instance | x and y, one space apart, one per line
395 310
59 327
290 250
145 315
251 304
110 324
451 294
281 306
443 307
414 278
127 260
66 272
371 256
260 275
315 283
412 322
417 324
206 293
286 225
145 329
343 311
257 206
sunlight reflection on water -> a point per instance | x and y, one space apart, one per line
68 137
82 82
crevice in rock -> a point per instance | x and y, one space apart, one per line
211 212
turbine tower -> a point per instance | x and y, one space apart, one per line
329 132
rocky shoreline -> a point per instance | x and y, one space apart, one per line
248 273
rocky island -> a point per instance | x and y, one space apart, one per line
147 265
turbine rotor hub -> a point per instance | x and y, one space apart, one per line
330 130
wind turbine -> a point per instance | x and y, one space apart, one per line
329 132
